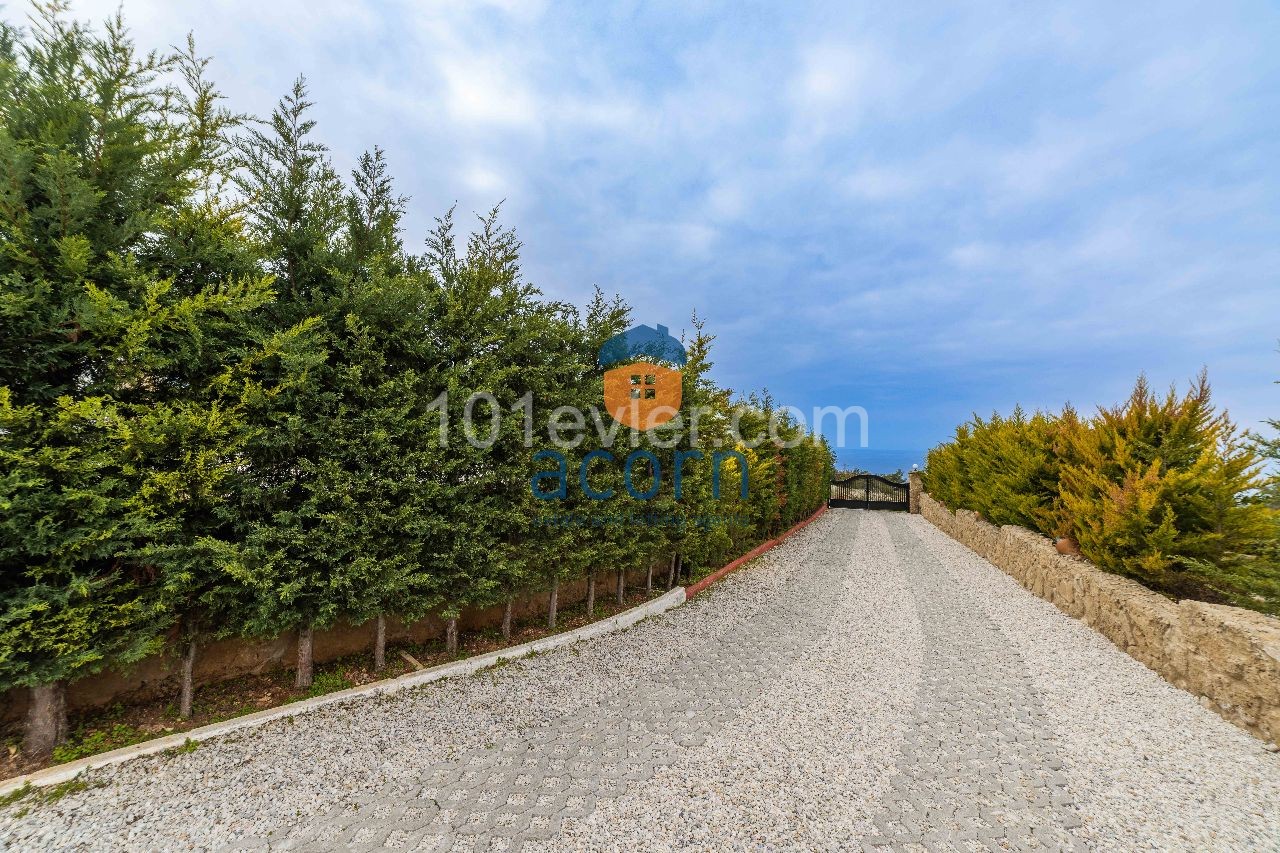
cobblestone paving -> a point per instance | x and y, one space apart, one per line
978 768
868 684
523 788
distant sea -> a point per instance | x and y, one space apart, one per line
879 460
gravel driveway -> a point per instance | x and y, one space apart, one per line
868 684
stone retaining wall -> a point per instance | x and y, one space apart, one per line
1228 656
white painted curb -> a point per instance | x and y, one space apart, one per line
63 772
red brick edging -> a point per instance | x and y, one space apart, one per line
693 589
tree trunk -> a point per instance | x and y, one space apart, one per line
591 593
622 586
648 580
187 693
46 719
306 663
380 643
506 619
551 606
671 573
451 636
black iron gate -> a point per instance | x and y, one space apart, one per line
867 491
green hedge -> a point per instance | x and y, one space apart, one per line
1161 488
221 381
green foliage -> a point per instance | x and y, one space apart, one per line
328 682
224 384
45 795
65 610
188 746
1161 489
86 742
16 794
114 336
1002 468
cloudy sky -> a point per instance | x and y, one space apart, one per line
921 210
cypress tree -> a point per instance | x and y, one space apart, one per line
500 344
292 575
1159 488
116 329
230 402
376 486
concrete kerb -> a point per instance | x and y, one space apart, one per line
803 524
470 666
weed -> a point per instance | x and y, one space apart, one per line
42 796
496 665
328 682
15 795
188 746
53 793
86 742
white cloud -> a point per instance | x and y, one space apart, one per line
727 200
835 88
478 90
484 180
832 75
1003 184
974 255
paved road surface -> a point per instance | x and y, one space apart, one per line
869 685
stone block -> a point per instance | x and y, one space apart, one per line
1232 656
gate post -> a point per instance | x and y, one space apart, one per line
915 486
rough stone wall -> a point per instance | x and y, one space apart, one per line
157 676
1228 656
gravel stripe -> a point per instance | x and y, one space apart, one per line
979 768
803 764
868 680
1149 767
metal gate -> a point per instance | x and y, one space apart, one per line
868 491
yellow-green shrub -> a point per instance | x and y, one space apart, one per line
1002 468
1161 489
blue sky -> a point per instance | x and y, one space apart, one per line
922 210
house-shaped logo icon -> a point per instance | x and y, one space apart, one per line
642 380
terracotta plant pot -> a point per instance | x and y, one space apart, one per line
1067 545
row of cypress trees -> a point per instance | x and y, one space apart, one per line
225 381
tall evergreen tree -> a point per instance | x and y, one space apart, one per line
114 334
376 486
501 345
230 402
286 565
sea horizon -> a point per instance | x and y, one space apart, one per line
880 460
